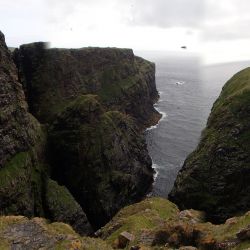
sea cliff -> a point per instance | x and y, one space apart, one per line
72 143
215 177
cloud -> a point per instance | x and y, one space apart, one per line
226 20
234 30
167 13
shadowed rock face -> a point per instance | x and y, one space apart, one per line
19 130
54 77
100 156
93 100
24 180
215 177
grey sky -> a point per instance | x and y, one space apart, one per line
177 13
206 26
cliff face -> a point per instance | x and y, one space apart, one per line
215 177
100 156
94 102
52 78
19 133
23 167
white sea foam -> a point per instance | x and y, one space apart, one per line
164 115
179 82
152 127
155 167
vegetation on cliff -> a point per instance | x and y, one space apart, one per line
24 175
100 156
215 177
52 78
152 224
156 223
90 102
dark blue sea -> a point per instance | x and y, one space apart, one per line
187 90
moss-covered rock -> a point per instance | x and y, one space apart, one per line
62 207
156 223
100 157
17 232
91 98
23 160
54 77
21 145
215 177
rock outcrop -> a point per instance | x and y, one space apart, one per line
95 103
100 156
18 232
21 144
152 224
24 175
215 177
156 223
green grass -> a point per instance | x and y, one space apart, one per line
14 169
145 215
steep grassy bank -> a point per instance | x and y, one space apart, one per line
215 177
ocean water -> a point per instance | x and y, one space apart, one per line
187 91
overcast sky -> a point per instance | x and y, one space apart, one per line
216 29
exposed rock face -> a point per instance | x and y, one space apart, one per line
93 100
54 77
215 177
100 156
62 207
19 132
23 167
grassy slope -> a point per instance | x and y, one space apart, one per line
215 176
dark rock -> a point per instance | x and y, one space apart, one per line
244 234
21 144
62 207
94 103
54 77
96 149
100 156
23 164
